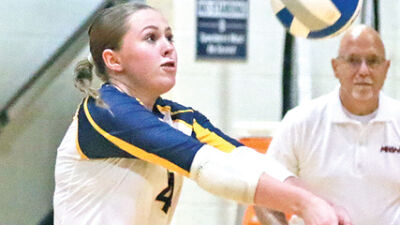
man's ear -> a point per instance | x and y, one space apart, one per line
112 60
387 65
335 66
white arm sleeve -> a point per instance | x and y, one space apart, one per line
233 175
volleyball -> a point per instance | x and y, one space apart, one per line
316 18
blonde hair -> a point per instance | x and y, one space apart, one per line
106 32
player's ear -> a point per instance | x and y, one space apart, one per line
112 60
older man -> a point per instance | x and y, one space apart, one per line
345 146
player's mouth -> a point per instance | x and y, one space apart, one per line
169 66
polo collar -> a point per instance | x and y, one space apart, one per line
336 109
339 116
387 110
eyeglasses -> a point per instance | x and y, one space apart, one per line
372 62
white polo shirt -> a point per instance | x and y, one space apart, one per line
352 164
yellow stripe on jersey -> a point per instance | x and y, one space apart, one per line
204 135
131 149
139 101
181 111
78 147
164 108
168 109
183 122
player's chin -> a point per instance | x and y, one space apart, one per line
167 84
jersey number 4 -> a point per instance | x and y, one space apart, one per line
166 194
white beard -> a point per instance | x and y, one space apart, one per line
361 92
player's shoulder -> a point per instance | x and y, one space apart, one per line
115 98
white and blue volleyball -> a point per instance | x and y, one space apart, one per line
316 18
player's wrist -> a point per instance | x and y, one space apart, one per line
300 203
312 206
306 202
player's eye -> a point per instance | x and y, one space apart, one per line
170 38
151 37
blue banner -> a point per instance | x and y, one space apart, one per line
222 29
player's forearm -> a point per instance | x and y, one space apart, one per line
276 195
270 217
233 175
341 212
241 176
290 198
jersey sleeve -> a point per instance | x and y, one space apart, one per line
127 129
206 133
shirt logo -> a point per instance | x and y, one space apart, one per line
390 149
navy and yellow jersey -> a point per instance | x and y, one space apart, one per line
170 135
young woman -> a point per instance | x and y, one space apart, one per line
127 150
